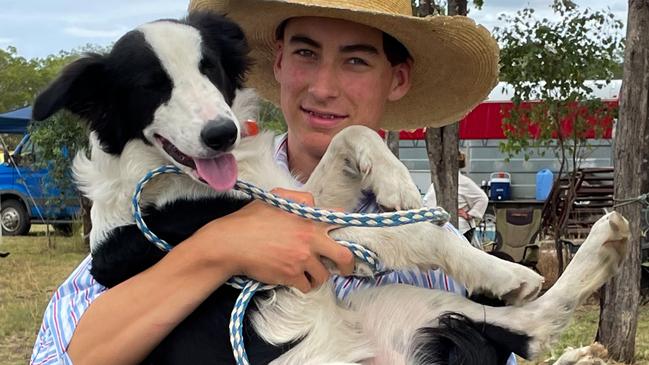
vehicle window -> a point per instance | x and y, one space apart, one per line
26 156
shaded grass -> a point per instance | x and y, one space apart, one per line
28 277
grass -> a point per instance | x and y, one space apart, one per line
28 276
33 271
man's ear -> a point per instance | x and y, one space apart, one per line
277 64
401 80
78 86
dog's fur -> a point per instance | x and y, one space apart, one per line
166 83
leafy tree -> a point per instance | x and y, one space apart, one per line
550 61
59 138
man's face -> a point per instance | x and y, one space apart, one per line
333 74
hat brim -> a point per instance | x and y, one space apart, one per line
455 60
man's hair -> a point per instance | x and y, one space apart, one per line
461 160
395 52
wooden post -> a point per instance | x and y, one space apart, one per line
619 304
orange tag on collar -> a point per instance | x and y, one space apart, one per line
251 128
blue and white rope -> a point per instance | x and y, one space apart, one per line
248 286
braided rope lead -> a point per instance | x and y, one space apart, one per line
248 286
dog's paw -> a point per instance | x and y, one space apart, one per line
389 180
394 188
514 283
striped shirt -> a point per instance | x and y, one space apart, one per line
75 294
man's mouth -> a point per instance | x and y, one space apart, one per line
323 114
219 172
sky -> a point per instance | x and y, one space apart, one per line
38 28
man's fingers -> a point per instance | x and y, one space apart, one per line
317 271
340 255
301 283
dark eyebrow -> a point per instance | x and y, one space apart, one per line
306 40
345 49
359 48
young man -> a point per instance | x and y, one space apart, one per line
326 73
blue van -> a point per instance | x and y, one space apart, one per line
28 194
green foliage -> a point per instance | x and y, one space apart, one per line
550 61
22 79
271 118
59 139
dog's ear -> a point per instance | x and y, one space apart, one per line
77 87
225 38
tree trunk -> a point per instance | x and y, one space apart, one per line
442 149
392 140
457 7
442 146
619 304
86 204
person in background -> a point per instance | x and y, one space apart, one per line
471 201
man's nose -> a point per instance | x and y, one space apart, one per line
325 83
220 134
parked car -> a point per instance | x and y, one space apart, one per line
28 194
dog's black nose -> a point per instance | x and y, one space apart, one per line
219 134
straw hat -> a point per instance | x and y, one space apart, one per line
455 60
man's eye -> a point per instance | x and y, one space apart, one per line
305 53
357 61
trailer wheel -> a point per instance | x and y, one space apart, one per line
14 218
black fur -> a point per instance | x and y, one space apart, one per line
457 340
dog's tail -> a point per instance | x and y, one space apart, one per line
458 340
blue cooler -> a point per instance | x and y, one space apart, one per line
500 186
544 181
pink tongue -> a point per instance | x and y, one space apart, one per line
220 173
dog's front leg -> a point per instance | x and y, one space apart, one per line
357 160
426 246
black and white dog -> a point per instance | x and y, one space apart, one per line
171 92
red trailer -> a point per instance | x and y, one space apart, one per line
485 120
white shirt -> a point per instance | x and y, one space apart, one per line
472 199
430 199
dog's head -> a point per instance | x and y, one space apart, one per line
168 83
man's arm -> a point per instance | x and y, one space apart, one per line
126 322
476 199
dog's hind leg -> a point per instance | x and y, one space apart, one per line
428 246
412 321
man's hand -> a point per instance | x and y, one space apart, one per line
276 247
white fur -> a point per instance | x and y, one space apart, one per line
194 98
